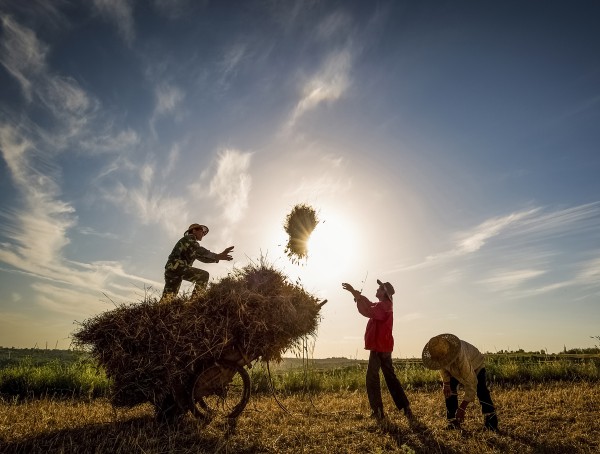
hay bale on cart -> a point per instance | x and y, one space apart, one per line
158 352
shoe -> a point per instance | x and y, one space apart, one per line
453 424
490 421
378 414
409 414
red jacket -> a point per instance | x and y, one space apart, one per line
378 336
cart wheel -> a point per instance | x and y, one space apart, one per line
222 389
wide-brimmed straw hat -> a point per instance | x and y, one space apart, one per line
440 351
197 226
389 289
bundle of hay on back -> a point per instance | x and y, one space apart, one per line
150 350
299 224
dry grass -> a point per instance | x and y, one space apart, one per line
299 224
553 418
152 351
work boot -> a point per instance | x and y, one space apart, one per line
378 414
490 421
453 424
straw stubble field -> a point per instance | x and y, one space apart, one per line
549 418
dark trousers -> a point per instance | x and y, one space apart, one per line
483 394
173 281
383 361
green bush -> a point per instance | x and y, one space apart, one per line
78 379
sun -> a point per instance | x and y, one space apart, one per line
332 247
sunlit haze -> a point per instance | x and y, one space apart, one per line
450 148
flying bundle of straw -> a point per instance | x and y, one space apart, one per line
299 224
150 349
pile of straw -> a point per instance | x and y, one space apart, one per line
299 224
152 350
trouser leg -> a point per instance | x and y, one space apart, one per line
172 284
392 382
452 401
373 384
485 399
198 277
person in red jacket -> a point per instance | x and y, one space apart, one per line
380 342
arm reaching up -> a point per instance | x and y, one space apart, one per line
225 255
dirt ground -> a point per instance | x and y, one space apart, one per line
553 418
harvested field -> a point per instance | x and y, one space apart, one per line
550 418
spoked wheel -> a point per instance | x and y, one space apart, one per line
222 389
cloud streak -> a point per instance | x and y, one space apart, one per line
24 57
120 12
512 278
231 184
328 85
532 225
37 228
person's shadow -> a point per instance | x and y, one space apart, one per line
140 434
419 430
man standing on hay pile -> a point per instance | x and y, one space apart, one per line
179 264
460 362
380 342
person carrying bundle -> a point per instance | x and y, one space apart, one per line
460 362
179 264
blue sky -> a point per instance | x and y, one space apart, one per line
451 148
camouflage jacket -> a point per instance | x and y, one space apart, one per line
186 251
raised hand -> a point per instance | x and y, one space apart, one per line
351 289
225 255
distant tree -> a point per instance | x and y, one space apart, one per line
580 351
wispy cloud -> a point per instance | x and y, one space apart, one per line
333 25
110 142
232 59
121 13
504 280
328 85
37 228
231 183
410 317
147 198
22 55
175 8
172 159
526 226
586 276
473 240
69 302
559 222
92 232
589 274
168 98
320 186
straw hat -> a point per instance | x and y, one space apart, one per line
440 351
389 289
197 226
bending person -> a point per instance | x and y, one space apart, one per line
460 362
